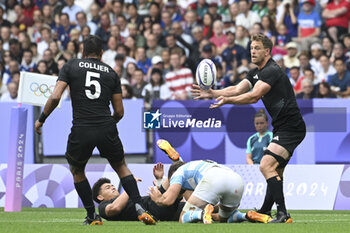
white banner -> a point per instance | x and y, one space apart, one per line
35 89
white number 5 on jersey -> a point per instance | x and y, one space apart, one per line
95 83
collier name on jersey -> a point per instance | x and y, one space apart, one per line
94 66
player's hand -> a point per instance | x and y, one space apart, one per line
155 194
221 101
199 93
38 126
137 179
158 171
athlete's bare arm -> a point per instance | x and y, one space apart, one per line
260 89
118 107
239 89
117 205
52 102
168 198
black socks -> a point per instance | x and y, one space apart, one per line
130 187
275 186
84 191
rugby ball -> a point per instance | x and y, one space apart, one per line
206 73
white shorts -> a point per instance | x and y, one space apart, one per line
220 185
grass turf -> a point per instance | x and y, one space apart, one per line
51 220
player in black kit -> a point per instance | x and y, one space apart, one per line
93 85
269 83
114 206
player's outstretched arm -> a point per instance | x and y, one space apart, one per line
51 104
260 89
117 103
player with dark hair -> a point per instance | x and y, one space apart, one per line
118 207
269 83
93 85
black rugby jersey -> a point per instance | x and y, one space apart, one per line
92 84
280 101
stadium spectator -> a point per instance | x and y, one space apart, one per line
190 22
103 31
50 62
15 50
109 55
11 94
183 40
235 78
324 91
27 63
340 81
307 88
154 12
288 16
82 21
42 68
134 17
259 7
72 9
153 49
156 88
219 82
46 39
3 22
219 38
308 74
143 7
291 59
258 142
64 29
157 63
48 16
158 32
117 9
346 42
130 43
123 50
234 55
179 79
139 82
130 69
140 40
57 6
327 69
166 61
294 75
316 52
143 62
21 18
5 35
166 21
234 12
269 28
336 15
95 14
56 52
246 18
241 37
213 10
127 92
201 7
123 26
327 46
145 28
224 10
207 25
309 25
338 52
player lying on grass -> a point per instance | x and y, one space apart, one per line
118 207
212 184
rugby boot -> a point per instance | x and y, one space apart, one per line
95 221
282 217
254 216
207 212
144 216
165 146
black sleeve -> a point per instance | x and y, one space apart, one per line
117 87
102 208
270 75
249 77
64 73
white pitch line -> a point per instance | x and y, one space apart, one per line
43 221
323 221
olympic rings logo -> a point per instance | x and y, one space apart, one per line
42 89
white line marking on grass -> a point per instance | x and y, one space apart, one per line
42 221
323 221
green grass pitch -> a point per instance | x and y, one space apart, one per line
51 220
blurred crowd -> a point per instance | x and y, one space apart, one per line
155 46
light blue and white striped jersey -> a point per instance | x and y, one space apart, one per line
190 174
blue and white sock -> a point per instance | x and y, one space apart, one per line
236 216
192 216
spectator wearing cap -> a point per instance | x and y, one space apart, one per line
213 10
234 55
327 69
156 88
153 49
259 6
246 18
63 31
208 53
72 9
336 15
291 59
309 25
157 63
201 7
316 52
